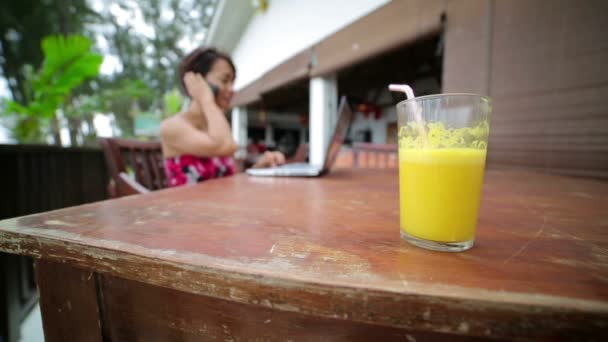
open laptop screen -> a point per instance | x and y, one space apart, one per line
345 116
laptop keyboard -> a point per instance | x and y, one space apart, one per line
295 166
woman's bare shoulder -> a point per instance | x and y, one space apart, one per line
170 128
172 125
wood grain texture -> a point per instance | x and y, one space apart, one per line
33 179
466 61
135 166
37 178
137 311
68 303
330 247
549 84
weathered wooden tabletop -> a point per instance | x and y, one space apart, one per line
330 247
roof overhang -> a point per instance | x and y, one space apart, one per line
388 27
229 23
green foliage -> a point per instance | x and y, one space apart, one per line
172 102
23 25
30 129
68 61
125 100
83 105
148 60
154 58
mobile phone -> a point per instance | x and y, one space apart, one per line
215 89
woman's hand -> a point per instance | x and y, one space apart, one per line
270 159
186 138
198 89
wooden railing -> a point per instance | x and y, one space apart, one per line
33 179
36 178
366 155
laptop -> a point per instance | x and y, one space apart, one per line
309 170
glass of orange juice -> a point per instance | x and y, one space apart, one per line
442 153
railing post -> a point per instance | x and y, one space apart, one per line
239 130
323 115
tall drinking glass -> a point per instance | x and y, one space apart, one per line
442 153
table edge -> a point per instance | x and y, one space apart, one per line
367 304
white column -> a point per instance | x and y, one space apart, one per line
239 130
269 135
323 115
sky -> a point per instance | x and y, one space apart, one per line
111 63
4 92
136 20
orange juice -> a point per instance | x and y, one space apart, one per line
440 192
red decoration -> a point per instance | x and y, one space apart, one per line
367 109
377 113
304 119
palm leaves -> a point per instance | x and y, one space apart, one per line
68 61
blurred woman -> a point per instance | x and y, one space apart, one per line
197 143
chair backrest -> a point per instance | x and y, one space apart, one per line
366 155
135 166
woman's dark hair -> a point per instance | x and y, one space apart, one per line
200 61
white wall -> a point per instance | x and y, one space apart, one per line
289 26
377 127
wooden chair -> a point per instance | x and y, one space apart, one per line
136 167
366 155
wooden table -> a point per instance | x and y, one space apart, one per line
313 259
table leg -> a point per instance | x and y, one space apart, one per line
68 302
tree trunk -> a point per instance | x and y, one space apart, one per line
91 138
56 129
74 128
64 17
